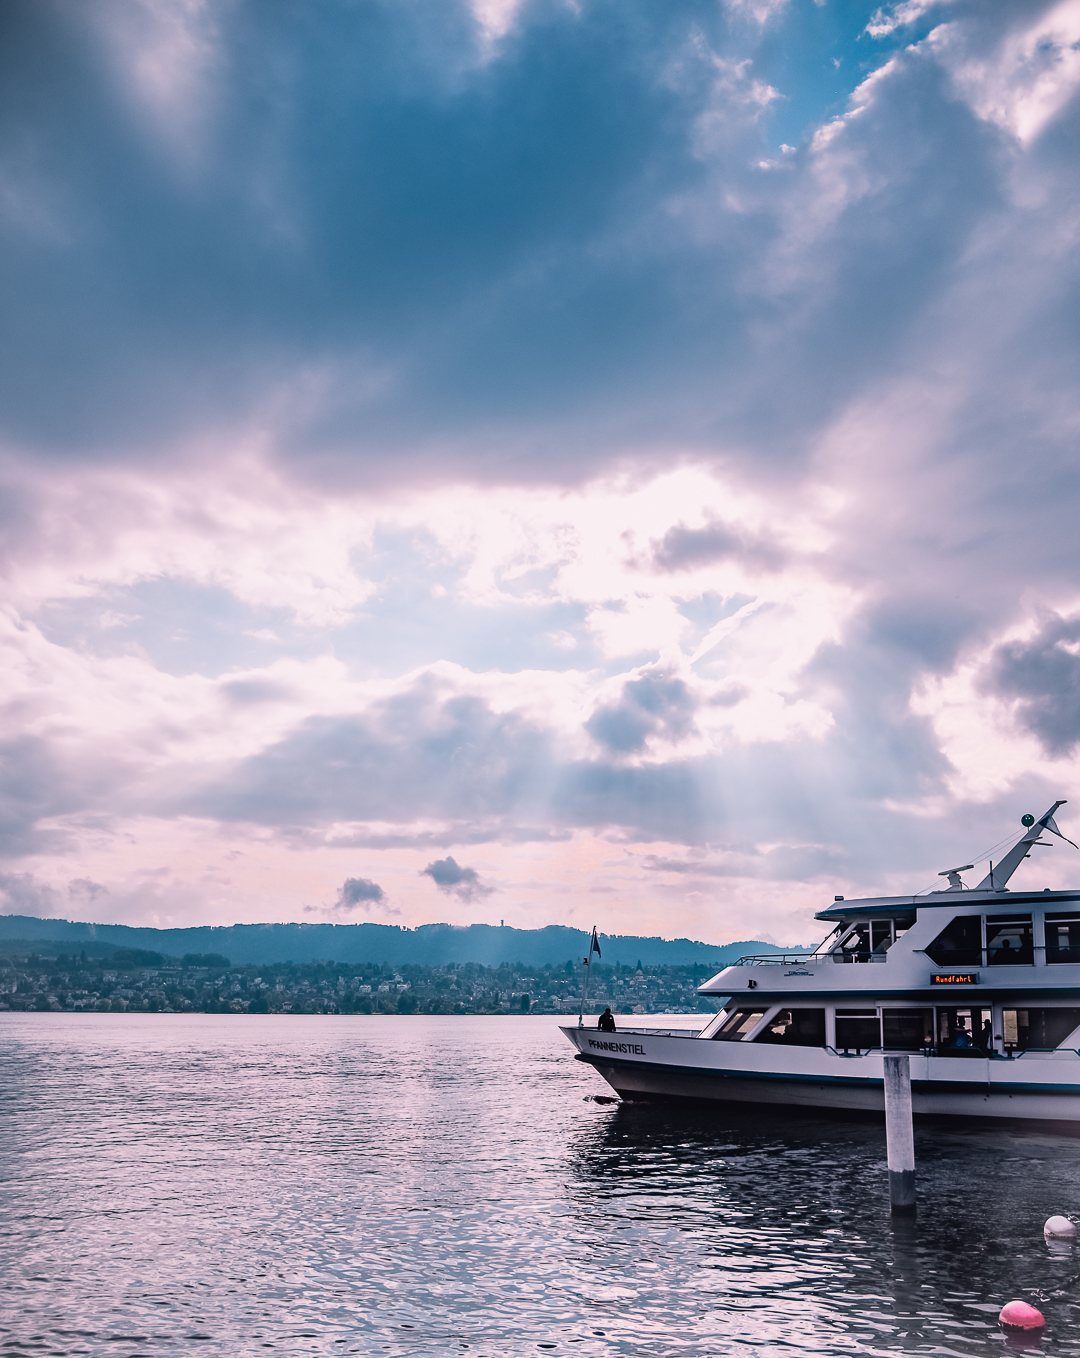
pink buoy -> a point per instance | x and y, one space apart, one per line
1018 1315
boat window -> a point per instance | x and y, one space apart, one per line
959 944
1063 937
964 1032
795 1028
855 945
715 1022
1009 941
1035 1029
858 1029
881 936
738 1025
907 1030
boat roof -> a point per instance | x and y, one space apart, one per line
870 906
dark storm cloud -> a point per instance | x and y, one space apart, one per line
359 891
362 191
353 223
655 704
455 880
1042 678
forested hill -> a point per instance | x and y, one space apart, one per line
426 945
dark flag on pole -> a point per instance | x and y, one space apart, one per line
594 947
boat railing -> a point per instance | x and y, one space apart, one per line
650 1032
954 1053
779 959
1014 1055
806 959
662 1032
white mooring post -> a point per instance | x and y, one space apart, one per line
899 1134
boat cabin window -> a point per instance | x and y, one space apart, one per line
1038 1029
907 1030
1009 940
868 940
735 1028
795 1028
1063 936
959 944
717 1021
964 1032
854 946
857 1029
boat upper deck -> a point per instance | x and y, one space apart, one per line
1003 942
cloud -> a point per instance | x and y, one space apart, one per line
777 862
886 21
1040 677
23 894
1024 80
362 892
685 548
455 880
423 751
656 705
586 431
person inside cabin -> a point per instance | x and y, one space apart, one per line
986 1040
856 947
961 1037
606 1021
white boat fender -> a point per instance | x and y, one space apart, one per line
1060 1228
1018 1315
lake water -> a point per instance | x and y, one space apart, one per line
210 1184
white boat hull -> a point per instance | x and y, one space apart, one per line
640 1064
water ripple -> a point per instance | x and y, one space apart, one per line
228 1184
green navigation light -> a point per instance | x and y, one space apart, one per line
1027 819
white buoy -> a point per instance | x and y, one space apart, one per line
1060 1228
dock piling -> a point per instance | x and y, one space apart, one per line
899 1134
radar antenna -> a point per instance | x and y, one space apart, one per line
953 874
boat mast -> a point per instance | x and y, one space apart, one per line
997 877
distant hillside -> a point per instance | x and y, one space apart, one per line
429 945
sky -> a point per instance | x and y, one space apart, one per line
561 461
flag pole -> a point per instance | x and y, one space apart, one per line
594 946
584 990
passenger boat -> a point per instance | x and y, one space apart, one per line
980 985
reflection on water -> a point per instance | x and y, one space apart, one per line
752 1228
447 1185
